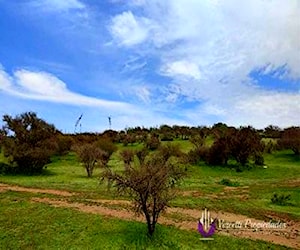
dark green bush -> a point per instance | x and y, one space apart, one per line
229 183
280 199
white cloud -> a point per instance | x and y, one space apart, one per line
282 109
181 68
209 48
143 93
130 30
46 87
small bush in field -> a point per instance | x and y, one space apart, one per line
280 199
89 155
142 154
229 183
196 155
259 160
127 156
153 142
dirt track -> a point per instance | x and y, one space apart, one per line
287 235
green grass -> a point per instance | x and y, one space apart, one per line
27 225
282 167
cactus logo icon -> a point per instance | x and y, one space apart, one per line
207 225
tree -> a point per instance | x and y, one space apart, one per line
219 152
245 142
28 143
108 147
153 142
272 132
89 154
150 185
127 156
290 139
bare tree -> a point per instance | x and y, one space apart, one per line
89 154
150 185
127 156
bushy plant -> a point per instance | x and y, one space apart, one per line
290 139
280 199
196 155
30 143
127 156
89 154
229 183
151 186
153 142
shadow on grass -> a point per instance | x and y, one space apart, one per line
8 170
287 156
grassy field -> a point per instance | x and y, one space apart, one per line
201 187
250 195
28 225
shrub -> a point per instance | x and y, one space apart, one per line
168 150
280 199
151 186
89 154
291 139
259 160
142 154
229 183
31 142
127 156
196 155
153 142
63 144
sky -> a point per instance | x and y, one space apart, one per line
148 63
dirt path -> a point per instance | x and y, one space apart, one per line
287 233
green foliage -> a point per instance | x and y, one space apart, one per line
142 154
194 156
64 144
127 156
259 160
106 145
280 199
153 142
291 139
89 154
229 183
29 143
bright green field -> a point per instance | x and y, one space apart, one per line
282 176
26 225
201 188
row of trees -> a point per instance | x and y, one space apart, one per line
29 142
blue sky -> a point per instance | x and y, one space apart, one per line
147 63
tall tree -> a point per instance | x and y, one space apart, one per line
29 141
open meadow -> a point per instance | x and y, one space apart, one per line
63 208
